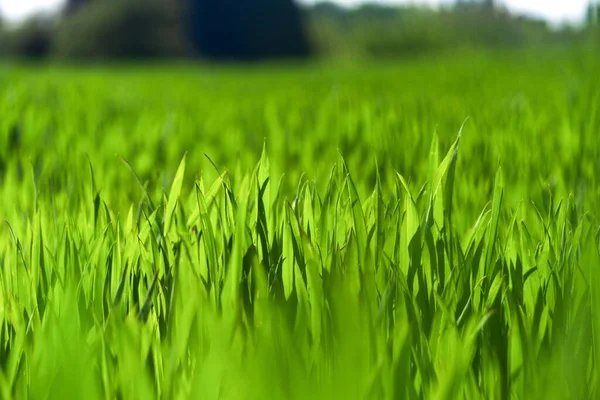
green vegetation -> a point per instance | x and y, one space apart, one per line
373 30
229 30
340 239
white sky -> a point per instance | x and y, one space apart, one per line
19 9
555 11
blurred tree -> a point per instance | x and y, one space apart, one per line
245 29
73 6
489 4
328 9
593 13
388 31
121 29
31 39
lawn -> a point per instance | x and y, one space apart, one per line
424 228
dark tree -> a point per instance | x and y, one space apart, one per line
74 5
593 13
121 29
31 39
245 29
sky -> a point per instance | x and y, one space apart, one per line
555 11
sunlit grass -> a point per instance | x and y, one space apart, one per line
301 234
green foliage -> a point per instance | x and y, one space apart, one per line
414 264
378 31
32 39
121 29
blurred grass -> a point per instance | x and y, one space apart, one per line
325 236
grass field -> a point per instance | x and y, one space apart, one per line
425 229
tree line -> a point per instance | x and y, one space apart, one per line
259 29
220 29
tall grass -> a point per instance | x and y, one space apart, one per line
399 270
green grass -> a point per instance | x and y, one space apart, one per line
295 232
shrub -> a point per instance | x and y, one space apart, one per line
32 39
122 29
